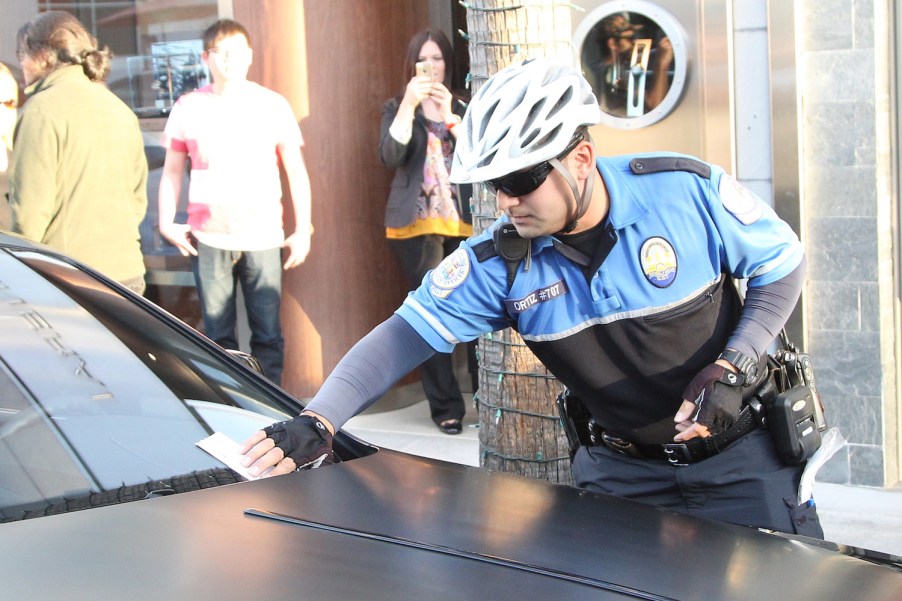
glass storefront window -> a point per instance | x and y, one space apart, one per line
156 46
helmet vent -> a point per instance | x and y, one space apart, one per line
487 119
487 160
517 102
528 139
495 141
547 138
534 112
562 102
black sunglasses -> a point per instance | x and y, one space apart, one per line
521 183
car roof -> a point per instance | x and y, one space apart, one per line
394 526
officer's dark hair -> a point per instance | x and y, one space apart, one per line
583 132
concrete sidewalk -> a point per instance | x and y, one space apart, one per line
852 515
861 517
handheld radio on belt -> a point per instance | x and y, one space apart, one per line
790 406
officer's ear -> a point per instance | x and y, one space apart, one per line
583 159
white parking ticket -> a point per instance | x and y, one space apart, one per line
226 450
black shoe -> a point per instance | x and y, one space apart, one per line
451 426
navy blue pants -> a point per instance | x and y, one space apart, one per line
745 484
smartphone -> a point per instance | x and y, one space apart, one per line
424 69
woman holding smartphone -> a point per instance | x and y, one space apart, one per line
426 216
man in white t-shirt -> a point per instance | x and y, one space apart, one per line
236 134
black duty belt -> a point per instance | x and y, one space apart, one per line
680 453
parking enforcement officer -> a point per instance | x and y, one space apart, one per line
625 293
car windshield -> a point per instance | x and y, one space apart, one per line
100 390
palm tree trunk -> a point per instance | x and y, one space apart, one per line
519 430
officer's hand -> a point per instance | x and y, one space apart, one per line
687 428
304 442
711 403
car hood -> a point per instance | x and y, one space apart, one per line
394 526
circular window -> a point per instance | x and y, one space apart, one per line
634 55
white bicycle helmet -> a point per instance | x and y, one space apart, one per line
523 115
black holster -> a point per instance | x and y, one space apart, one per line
578 424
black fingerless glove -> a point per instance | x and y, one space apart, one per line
305 439
717 394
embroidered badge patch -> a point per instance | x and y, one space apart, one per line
542 295
741 202
450 273
659 261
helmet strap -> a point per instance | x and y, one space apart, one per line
582 200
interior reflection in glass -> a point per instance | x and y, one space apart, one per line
628 60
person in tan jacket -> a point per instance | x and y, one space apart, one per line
78 174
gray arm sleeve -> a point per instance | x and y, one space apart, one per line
369 369
765 312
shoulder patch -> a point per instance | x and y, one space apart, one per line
450 273
647 165
742 203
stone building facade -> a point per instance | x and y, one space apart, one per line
846 79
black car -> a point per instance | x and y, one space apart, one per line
105 395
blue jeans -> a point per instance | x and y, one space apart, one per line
217 273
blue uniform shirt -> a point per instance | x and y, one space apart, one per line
656 312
